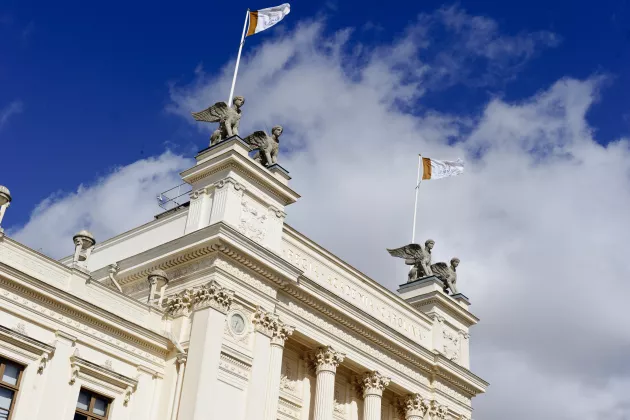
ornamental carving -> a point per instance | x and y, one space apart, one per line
437 411
373 383
326 359
269 324
252 222
180 303
207 295
212 295
413 405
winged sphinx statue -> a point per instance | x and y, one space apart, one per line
448 274
227 117
418 257
267 145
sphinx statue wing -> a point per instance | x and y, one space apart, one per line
409 252
441 270
257 140
213 114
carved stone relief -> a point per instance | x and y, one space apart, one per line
252 223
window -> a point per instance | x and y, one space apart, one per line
10 376
91 406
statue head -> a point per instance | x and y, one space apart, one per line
238 101
454 262
428 244
278 129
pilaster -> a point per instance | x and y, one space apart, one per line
209 304
56 377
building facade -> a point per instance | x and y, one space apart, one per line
217 309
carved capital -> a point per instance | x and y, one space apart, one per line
415 407
463 334
229 181
180 303
182 358
208 295
373 383
327 359
270 325
437 411
212 295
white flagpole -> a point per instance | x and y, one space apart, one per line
415 207
238 59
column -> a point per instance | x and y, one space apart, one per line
209 304
280 332
181 368
415 407
260 369
373 384
54 402
326 360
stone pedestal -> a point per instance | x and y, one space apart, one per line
230 187
451 317
209 304
326 360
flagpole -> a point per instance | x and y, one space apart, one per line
415 207
238 59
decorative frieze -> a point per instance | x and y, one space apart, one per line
78 321
200 297
245 277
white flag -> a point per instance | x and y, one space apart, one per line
436 169
262 19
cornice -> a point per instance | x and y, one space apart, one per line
420 357
232 160
76 314
336 261
447 304
216 238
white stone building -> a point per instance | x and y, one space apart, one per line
219 310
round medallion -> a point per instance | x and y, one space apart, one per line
237 323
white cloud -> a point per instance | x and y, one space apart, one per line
538 220
121 200
8 111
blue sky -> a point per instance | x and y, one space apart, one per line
94 122
92 80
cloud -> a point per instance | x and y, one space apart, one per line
14 108
119 201
538 219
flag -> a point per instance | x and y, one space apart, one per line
262 19
436 169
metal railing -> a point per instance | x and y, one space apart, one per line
174 197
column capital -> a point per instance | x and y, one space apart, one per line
327 359
415 407
270 324
196 298
182 358
373 383
212 295
437 411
